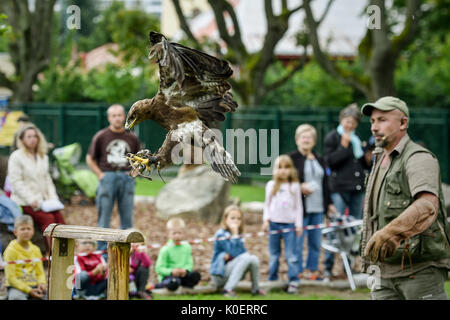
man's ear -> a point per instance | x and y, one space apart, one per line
404 122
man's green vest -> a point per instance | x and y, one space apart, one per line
395 197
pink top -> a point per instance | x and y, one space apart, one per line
285 206
139 259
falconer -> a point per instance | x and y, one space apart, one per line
405 228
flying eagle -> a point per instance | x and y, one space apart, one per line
193 96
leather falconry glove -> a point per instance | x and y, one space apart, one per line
414 220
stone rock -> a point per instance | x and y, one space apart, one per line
253 206
198 194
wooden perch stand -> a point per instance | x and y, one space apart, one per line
61 271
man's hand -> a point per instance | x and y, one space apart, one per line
414 220
100 175
382 245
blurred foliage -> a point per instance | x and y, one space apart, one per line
133 79
310 87
4 27
422 76
423 73
5 32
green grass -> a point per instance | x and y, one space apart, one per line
309 294
304 294
246 193
146 187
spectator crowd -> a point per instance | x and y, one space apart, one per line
306 187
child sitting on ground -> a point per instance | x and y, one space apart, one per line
139 269
231 261
24 281
175 263
90 276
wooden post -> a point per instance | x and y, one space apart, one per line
60 284
118 270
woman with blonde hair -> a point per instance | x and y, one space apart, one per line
283 209
28 171
315 195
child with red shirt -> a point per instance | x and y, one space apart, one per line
90 272
140 269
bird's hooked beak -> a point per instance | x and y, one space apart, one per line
130 125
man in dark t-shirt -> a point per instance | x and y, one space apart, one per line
107 159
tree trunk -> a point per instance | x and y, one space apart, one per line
250 85
31 49
382 76
378 51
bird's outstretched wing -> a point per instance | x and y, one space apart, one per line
189 77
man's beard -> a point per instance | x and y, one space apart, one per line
381 143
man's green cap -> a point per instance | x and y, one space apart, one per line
385 104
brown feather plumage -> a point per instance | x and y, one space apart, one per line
193 86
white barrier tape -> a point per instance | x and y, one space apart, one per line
3 264
212 239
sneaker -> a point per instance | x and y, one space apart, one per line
327 274
314 277
229 293
292 288
144 295
260 292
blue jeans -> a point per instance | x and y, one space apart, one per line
115 185
314 242
340 200
289 251
354 200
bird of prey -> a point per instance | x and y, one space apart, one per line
193 96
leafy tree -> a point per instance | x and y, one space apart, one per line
131 80
423 79
30 46
379 50
4 27
250 84
127 27
310 87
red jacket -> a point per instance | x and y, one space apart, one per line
87 262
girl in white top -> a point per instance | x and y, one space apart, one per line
283 212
